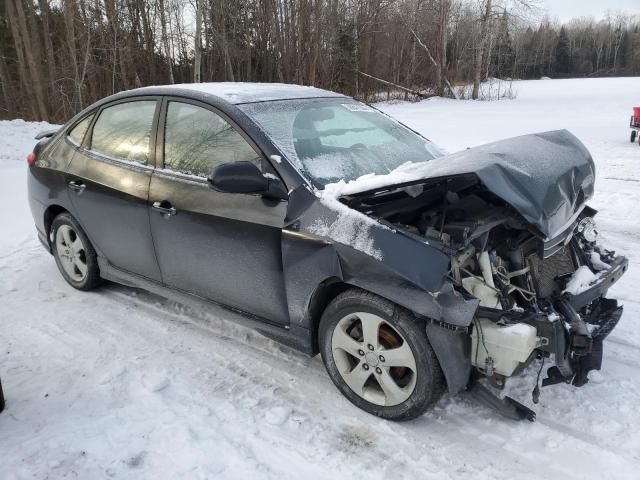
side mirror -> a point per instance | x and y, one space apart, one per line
245 177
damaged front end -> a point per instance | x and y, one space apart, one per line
538 304
537 297
535 301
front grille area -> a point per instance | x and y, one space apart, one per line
545 272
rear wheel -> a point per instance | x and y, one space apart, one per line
378 356
74 254
633 135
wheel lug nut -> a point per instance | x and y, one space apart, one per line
365 366
381 358
378 371
370 347
361 352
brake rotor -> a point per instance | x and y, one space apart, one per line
390 339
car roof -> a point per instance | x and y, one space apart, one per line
241 92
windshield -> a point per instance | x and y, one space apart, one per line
338 139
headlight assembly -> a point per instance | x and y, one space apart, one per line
587 228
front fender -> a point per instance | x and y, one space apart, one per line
365 254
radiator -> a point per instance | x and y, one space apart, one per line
545 272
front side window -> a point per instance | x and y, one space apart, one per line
197 140
124 131
77 133
338 139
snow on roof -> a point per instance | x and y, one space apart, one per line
245 92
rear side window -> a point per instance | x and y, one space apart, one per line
197 140
124 131
78 132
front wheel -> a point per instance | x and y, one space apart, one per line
74 254
633 135
379 357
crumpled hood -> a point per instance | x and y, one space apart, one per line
547 177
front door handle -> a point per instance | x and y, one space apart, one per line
165 208
77 185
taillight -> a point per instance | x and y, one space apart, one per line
31 158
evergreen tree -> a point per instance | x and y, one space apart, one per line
563 53
623 55
344 56
503 54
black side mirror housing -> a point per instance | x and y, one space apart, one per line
245 177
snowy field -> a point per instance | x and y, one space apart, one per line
119 383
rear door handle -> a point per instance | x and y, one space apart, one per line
77 185
165 208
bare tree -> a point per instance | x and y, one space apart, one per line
486 7
56 57
27 43
197 64
165 39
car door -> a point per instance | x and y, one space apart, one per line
109 180
220 246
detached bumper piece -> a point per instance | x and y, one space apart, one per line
505 406
584 349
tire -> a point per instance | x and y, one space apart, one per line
397 356
633 135
74 254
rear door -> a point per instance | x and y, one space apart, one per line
220 246
109 184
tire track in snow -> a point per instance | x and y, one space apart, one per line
590 442
245 355
631 363
622 341
246 352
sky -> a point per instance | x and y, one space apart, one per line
567 9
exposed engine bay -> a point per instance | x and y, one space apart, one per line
539 298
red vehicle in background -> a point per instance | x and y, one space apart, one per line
635 124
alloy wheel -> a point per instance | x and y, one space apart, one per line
72 253
374 359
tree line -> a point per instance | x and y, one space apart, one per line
57 57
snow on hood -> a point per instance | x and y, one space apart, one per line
547 177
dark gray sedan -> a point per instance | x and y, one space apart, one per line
337 230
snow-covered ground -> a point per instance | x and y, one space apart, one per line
119 383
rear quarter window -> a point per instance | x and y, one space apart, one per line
77 133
